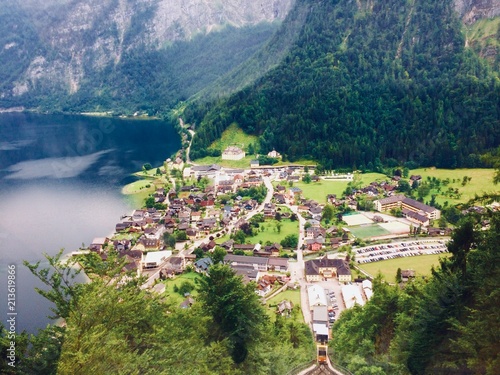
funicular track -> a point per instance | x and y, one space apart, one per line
321 369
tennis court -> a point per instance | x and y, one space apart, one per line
368 231
396 227
356 219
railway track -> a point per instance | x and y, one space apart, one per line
321 369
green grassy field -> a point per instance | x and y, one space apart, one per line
420 264
319 190
367 178
139 186
289 294
233 136
169 289
368 231
481 182
208 160
484 31
270 232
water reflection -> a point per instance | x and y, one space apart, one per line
66 167
60 184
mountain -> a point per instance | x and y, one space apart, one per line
369 83
108 54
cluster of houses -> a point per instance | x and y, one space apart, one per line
197 216
195 213
252 268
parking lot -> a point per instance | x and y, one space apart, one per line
377 253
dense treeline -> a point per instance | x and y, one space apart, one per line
447 324
389 81
115 327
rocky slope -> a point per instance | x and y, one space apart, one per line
473 10
72 40
55 49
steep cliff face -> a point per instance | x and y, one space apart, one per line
76 39
473 10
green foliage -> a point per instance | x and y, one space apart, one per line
255 192
404 186
328 213
359 86
267 160
115 327
441 326
59 278
184 288
493 159
169 240
218 254
235 309
180 236
150 202
199 253
291 241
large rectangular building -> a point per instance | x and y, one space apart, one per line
318 269
407 204
387 204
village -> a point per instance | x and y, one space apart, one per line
210 213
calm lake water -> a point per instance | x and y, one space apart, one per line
60 186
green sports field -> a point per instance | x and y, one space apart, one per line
420 264
368 231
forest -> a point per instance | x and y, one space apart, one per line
446 324
112 326
390 82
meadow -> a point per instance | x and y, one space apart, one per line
421 264
268 231
368 231
319 190
481 181
177 281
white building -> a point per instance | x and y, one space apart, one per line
316 295
368 289
352 296
154 259
274 154
233 153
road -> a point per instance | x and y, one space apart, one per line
229 228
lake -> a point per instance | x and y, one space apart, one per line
60 186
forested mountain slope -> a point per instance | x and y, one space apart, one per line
125 55
369 82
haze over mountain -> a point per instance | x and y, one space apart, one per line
86 55
124 56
